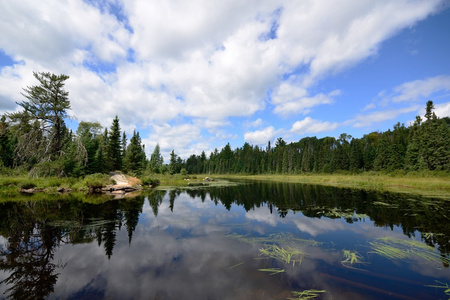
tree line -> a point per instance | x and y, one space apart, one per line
38 141
423 146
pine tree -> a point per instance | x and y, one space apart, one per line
42 133
173 163
156 160
7 144
135 155
115 146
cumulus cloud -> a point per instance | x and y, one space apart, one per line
442 110
309 125
153 63
260 137
303 104
181 138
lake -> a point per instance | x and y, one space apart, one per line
250 240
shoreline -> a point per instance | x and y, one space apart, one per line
430 187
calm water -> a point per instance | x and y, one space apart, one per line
251 241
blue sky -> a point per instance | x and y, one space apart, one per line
195 75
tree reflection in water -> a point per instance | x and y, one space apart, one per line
35 231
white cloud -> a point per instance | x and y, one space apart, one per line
256 123
442 110
261 215
309 125
421 89
260 137
380 116
317 226
181 138
50 31
290 104
194 60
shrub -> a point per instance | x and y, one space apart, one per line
96 181
27 185
147 180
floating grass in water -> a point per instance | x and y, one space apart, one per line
236 265
385 204
341 213
285 255
351 257
275 238
442 285
307 294
272 271
393 248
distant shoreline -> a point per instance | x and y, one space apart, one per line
434 186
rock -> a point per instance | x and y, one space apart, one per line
208 179
63 190
31 191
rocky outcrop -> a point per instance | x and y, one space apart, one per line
123 184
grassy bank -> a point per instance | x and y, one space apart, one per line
430 184
11 184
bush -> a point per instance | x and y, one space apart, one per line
147 181
96 181
27 185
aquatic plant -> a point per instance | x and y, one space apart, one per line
351 257
272 271
306 294
274 238
442 285
285 255
394 248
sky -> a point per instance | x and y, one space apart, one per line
195 75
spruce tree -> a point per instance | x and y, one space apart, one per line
156 160
135 155
115 146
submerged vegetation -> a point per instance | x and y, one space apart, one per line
306 294
396 249
351 257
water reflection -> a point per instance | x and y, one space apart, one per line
182 244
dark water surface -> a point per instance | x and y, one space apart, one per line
251 241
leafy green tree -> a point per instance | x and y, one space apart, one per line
89 134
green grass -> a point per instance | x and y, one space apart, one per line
272 271
307 294
442 285
10 186
285 255
351 257
398 249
